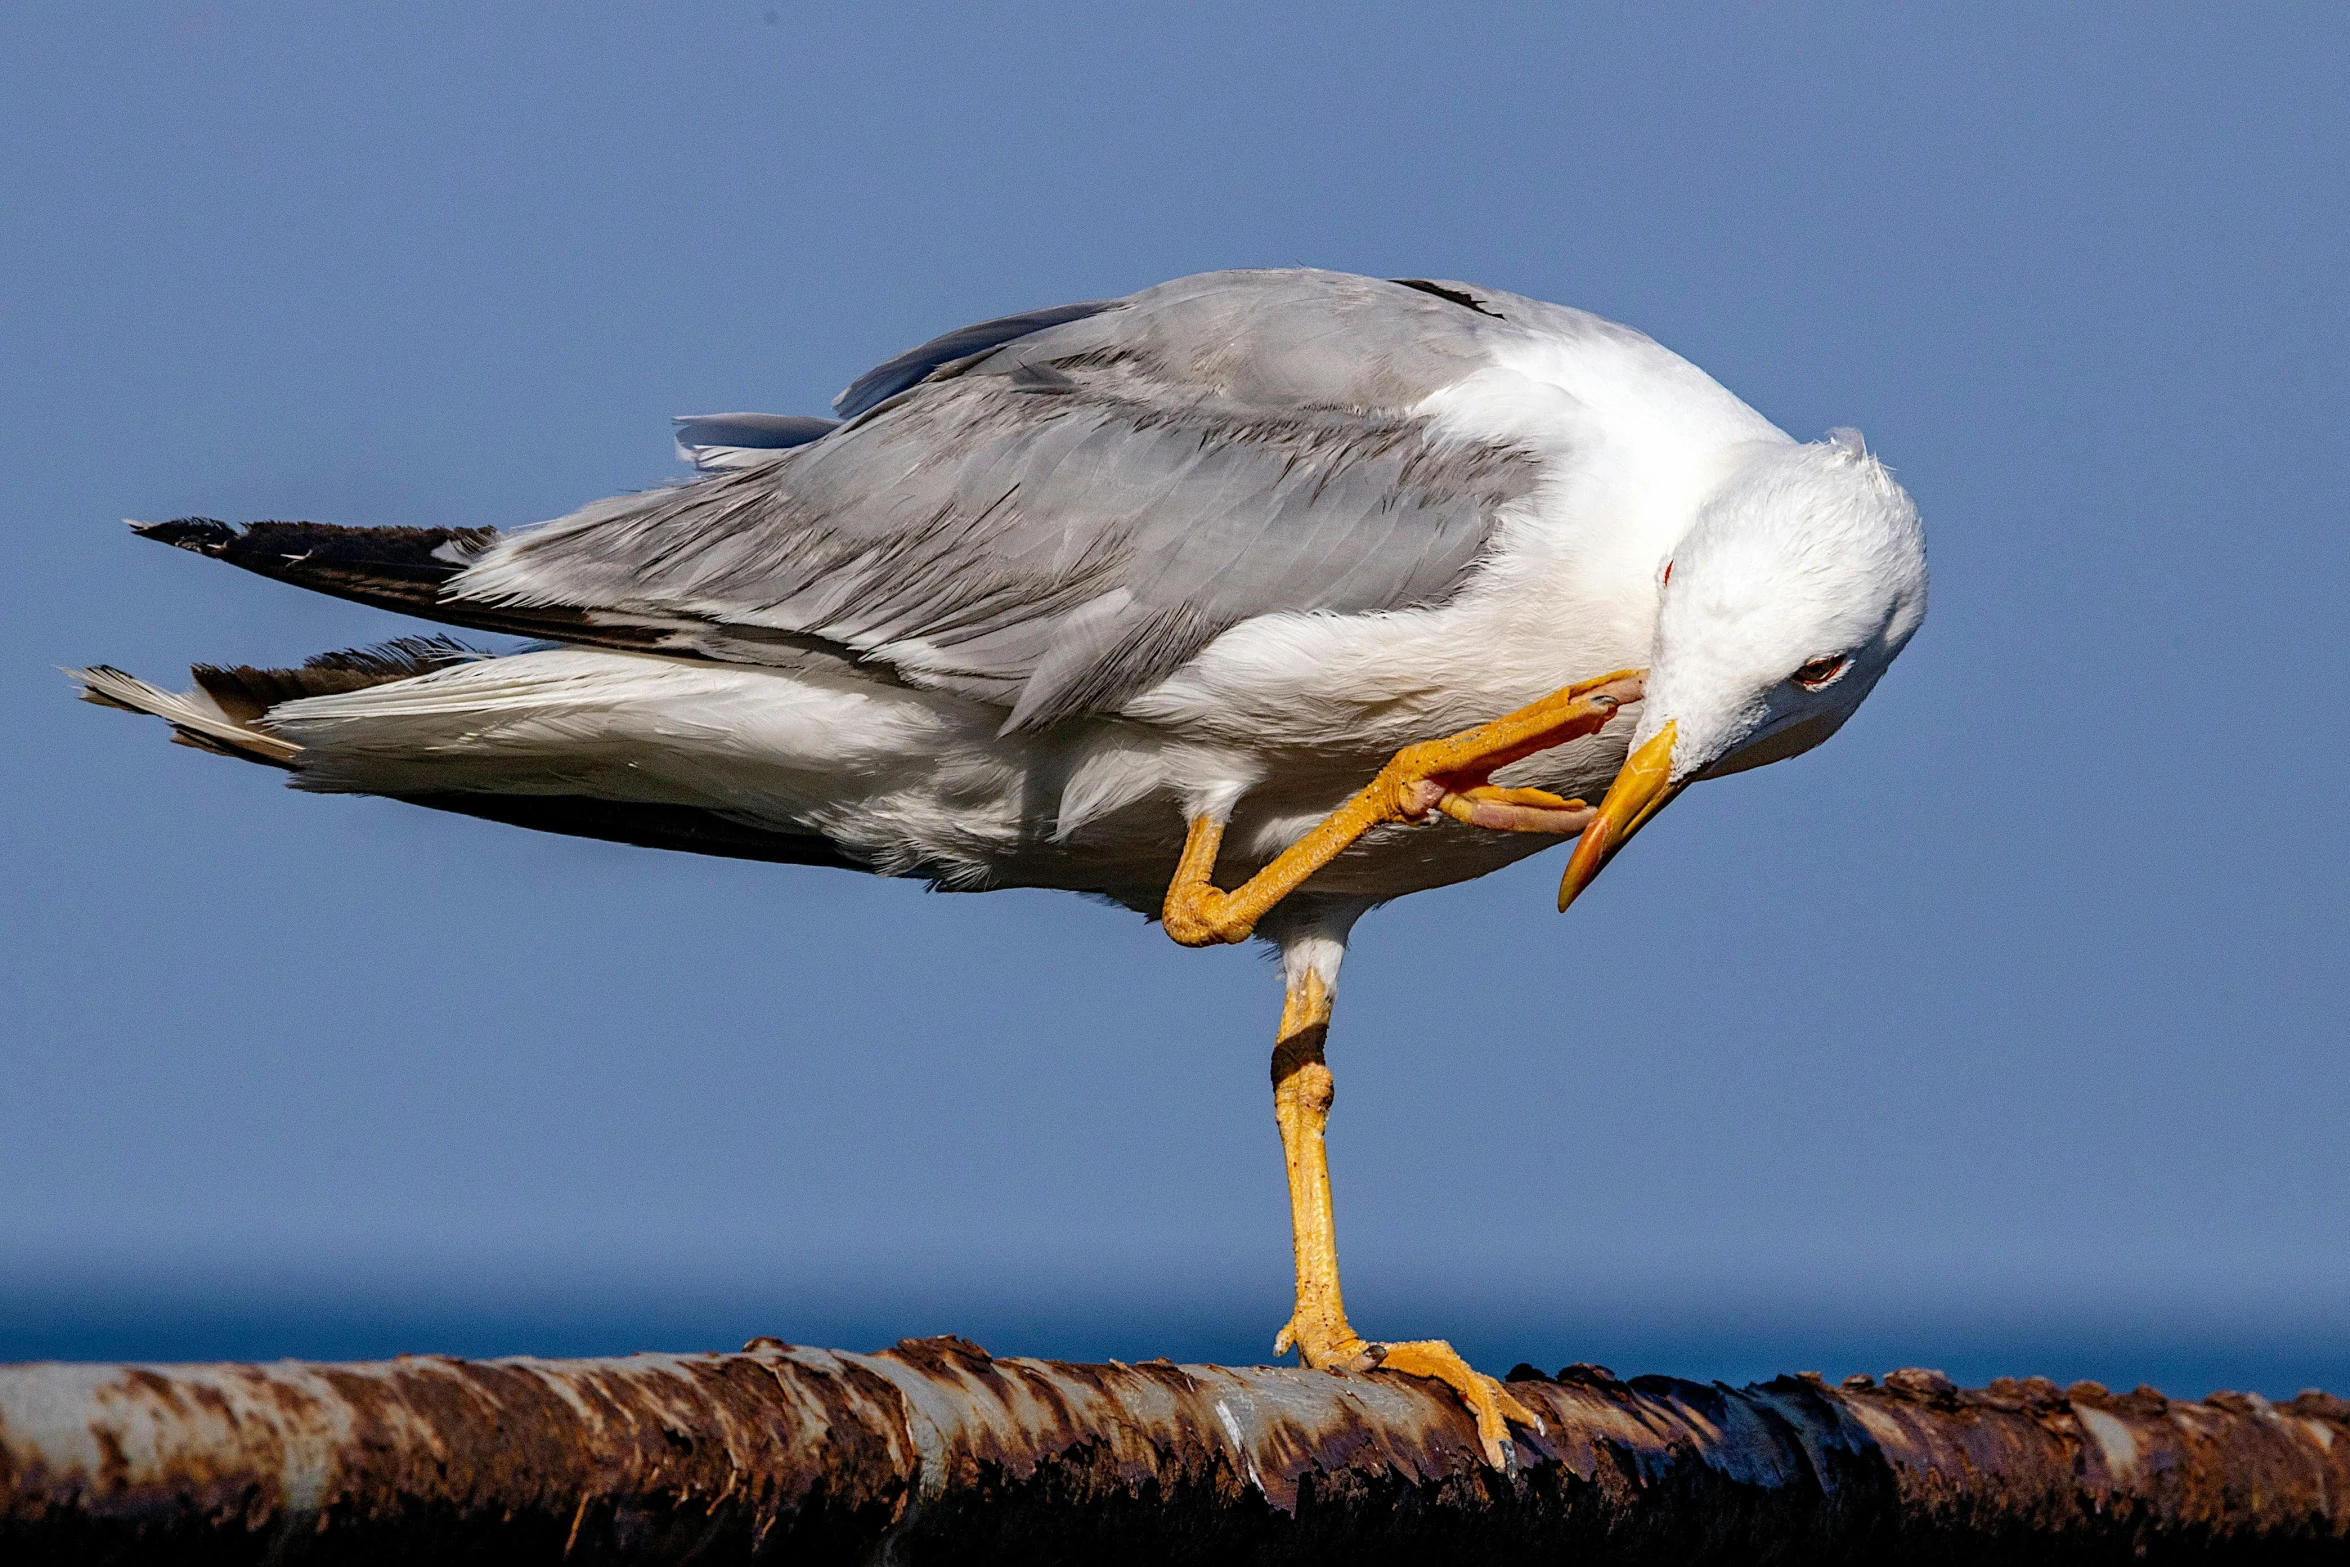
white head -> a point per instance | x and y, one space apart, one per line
1802 578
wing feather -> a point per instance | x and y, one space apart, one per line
1059 512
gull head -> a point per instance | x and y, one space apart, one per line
1780 609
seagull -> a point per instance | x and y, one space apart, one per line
1250 601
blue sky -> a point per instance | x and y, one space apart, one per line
2005 1033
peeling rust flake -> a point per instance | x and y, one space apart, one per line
936 1451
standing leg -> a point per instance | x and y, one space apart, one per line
1302 1094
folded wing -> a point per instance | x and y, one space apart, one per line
1056 519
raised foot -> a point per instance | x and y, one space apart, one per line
1453 775
1515 810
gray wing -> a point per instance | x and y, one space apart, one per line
714 441
915 365
1056 522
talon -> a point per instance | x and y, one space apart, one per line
1491 1404
1517 810
1285 1340
1416 799
1536 797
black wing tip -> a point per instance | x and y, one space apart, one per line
400 657
682 828
204 535
246 693
395 659
1459 296
264 545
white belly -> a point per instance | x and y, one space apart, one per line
911 781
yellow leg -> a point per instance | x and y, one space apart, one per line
1302 1092
1448 775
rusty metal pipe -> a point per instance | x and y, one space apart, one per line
933 1451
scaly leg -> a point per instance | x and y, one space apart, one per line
1448 775
1302 1091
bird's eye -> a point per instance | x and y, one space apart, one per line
1820 671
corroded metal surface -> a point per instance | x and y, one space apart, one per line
935 1452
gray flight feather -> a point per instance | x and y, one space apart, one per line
716 441
749 431
885 381
1056 519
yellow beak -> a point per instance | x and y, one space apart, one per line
1642 788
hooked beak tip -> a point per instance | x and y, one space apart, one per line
1643 786
1590 854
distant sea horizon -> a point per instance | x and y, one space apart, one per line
2184 1353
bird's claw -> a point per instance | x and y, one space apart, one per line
1419 798
1491 1404
1324 1342
1516 810
1492 807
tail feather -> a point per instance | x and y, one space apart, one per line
226 712
195 718
227 715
